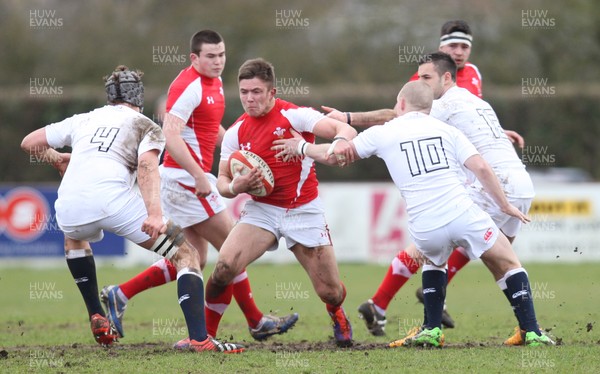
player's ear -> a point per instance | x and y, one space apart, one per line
446 77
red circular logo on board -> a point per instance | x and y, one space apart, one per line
24 213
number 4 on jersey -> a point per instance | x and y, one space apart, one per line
105 137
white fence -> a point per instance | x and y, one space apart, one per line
368 224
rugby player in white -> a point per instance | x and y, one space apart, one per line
426 158
112 147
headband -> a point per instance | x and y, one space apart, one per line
456 37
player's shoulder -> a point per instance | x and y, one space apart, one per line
185 77
472 69
286 107
457 94
235 127
281 104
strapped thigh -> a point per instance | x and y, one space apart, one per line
168 243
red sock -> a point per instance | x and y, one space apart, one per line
215 306
161 272
334 308
458 259
243 296
399 272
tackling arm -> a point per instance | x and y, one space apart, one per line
36 143
149 184
488 179
362 119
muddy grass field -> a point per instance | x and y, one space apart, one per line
48 331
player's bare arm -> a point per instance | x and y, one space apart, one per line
230 186
488 179
149 184
36 144
515 138
172 128
340 132
335 114
361 119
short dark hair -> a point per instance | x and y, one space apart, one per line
257 68
204 37
455 25
442 62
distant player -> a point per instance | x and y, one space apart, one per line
111 146
192 126
425 158
293 210
455 40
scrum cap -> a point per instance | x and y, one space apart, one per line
124 85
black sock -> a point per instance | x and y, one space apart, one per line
434 294
517 291
190 290
83 270
507 294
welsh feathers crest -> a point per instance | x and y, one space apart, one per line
279 132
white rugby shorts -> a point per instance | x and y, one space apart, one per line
127 222
305 225
473 230
180 203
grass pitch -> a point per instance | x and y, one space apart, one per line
44 326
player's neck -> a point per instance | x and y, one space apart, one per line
137 109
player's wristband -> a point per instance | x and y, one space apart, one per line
231 187
301 147
348 118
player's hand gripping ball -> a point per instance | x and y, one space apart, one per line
241 162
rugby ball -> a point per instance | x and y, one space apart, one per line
241 162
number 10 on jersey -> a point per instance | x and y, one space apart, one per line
424 155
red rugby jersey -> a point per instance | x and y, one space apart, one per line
295 181
200 102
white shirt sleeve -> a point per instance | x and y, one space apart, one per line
154 139
189 100
230 142
366 142
302 119
60 134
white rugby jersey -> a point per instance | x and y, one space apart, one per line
106 143
476 119
424 157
